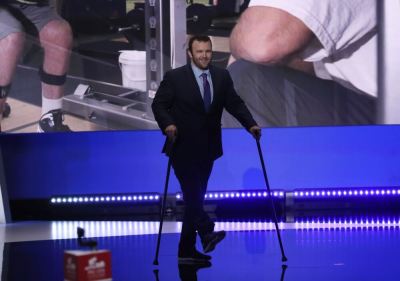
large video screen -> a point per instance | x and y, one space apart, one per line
293 63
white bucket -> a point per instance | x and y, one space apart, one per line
133 68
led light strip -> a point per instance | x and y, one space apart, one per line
67 229
221 195
304 224
361 221
101 199
345 192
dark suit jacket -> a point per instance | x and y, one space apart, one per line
178 101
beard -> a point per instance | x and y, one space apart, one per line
200 64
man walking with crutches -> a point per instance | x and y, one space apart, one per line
188 107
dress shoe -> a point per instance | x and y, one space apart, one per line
192 257
210 240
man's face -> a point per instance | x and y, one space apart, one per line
201 54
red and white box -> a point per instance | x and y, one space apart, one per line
87 265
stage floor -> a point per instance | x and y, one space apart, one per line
364 249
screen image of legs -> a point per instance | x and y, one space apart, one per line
40 25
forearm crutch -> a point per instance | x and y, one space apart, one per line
284 258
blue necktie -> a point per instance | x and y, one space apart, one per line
207 92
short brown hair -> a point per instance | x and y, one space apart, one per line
201 38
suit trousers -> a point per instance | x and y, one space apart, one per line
193 178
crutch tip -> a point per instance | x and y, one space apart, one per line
155 262
284 259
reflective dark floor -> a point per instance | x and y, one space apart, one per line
359 252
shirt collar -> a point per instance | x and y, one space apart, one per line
197 71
